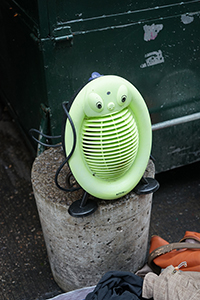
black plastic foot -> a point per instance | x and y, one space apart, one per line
146 186
82 207
76 210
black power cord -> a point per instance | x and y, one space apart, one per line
32 130
70 154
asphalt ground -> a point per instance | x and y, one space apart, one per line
24 268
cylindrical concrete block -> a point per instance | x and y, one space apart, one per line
82 250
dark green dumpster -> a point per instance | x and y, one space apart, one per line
50 48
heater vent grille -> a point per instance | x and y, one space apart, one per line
110 144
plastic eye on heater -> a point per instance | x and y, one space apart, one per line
113 142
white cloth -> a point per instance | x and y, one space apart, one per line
172 285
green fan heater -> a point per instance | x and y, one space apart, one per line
107 140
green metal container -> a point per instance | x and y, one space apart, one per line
50 48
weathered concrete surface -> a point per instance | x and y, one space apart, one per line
80 250
25 271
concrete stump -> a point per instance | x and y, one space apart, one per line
82 250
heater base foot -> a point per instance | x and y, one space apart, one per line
77 210
146 186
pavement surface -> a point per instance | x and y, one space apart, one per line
24 268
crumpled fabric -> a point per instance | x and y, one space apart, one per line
172 285
117 285
78 294
143 271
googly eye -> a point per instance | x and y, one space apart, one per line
95 102
99 105
123 98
